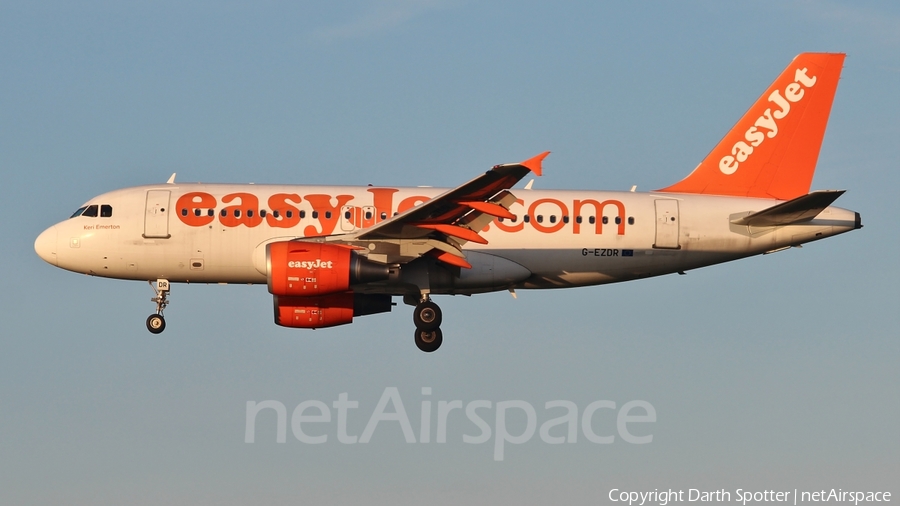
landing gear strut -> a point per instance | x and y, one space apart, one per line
156 323
427 317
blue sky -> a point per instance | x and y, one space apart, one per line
775 372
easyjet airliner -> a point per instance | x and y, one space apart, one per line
331 253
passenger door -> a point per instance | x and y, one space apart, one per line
156 216
666 224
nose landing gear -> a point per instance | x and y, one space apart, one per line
156 323
427 318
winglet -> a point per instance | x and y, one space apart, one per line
534 164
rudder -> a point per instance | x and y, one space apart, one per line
772 151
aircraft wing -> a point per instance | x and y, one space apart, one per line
442 225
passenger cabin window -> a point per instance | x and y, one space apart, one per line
605 220
618 220
631 220
106 211
275 213
262 213
592 220
91 211
78 212
290 214
302 214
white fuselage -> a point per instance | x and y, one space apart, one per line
191 233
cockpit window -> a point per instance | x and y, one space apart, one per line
106 211
78 212
91 211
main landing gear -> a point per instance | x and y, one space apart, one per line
156 323
427 317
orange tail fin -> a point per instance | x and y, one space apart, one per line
772 151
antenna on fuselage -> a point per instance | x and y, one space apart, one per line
528 186
171 179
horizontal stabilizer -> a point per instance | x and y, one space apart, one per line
803 208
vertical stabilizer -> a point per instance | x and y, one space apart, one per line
772 151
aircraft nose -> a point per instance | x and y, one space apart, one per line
45 245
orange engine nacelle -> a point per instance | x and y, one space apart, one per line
327 310
308 269
314 312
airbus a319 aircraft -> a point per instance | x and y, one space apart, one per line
331 253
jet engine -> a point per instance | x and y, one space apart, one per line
308 269
327 310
